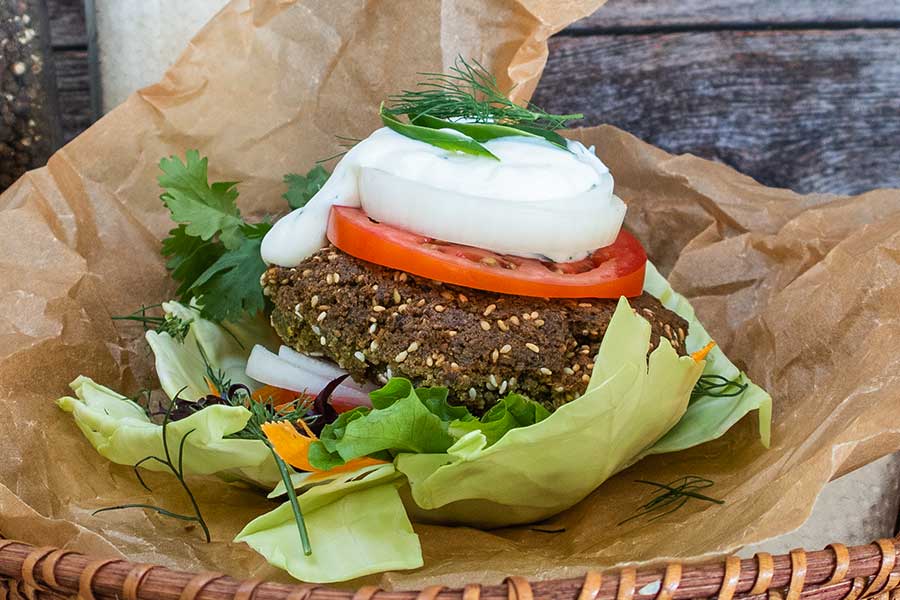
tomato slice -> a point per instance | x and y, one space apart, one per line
613 271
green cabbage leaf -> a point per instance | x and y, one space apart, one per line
707 417
357 526
120 430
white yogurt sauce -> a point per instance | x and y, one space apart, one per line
538 199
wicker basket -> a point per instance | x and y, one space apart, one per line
836 572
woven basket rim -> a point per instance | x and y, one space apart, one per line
835 572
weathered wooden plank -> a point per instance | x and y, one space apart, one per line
67 24
653 14
73 85
814 111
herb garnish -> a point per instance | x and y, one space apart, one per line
718 386
468 99
262 411
177 470
673 495
214 253
549 529
435 137
168 323
301 188
471 92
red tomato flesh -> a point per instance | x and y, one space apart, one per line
614 271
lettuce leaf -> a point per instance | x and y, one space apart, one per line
357 526
121 431
510 412
420 421
707 417
399 422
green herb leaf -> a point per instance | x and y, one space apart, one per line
484 132
173 325
671 496
206 210
469 90
229 288
213 254
301 188
189 257
441 139
177 470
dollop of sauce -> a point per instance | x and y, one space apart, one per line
531 173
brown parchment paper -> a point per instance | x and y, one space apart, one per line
801 291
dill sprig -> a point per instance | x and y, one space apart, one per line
177 469
262 412
718 386
471 92
176 327
671 496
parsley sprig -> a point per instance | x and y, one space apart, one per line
303 187
213 253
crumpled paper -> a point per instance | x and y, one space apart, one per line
803 292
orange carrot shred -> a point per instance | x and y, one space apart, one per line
277 396
293 448
702 352
307 429
211 386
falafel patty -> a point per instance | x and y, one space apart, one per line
378 323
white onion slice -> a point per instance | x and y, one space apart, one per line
272 369
320 367
563 229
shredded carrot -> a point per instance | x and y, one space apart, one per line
211 386
293 448
277 396
702 352
306 429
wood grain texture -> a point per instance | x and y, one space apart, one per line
68 37
67 24
680 13
74 92
813 111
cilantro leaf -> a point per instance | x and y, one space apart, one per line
212 254
189 257
229 288
301 188
206 210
